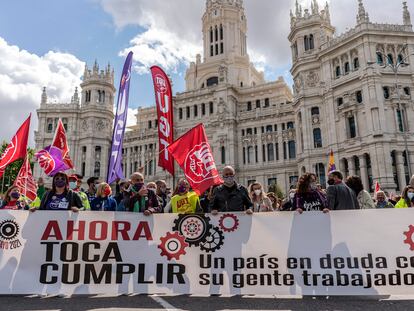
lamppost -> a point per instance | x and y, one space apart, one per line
399 63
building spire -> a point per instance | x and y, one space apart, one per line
44 96
362 16
75 97
406 15
315 7
298 10
327 13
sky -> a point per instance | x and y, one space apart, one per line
47 43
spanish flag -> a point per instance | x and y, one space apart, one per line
331 165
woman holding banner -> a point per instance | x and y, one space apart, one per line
308 197
104 200
13 200
261 203
60 198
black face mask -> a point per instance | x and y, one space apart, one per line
331 182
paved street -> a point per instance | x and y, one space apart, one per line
153 303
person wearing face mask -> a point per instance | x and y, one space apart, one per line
230 196
261 203
382 201
406 198
60 197
364 198
104 200
161 192
287 205
139 199
339 195
41 190
13 200
122 189
75 187
93 183
183 200
308 197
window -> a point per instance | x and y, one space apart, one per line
269 128
180 113
195 111
211 50
223 154
212 81
277 151
284 151
187 112
266 102
203 109
400 59
150 167
83 170
84 149
356 63
352 127
400 119
149 124
270 152
337 71
222 48
317 138
211 34
249 154
315 111
380 59
65 123
216 34
320 174
346 68
258 103
292 149
339 101
221 32
155 123
243 133
217 49
211 106
390 59
249 131
311 42
249 106
386 91
49 125
255 131
256 152
407 91
358 96
244 155
264 153
306 42
275 127
290 125
283 126
97 169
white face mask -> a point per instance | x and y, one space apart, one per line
257 192
291 195
410 195
72 185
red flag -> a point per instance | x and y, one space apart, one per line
25 181
193 153
163 99
17 148
60 142
377 187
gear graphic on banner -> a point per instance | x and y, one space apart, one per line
9 229
195 228
173 245
409 237
229 222
213 241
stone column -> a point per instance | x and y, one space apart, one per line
364 172
128 161
399 162
351 166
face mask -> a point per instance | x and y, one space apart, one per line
182 188
163 189
291 195
107 191
410 195
72 185
331 182
257 192
229 180
137 187
15 195
60 183
313 186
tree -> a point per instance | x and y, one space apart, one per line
276 190
12 170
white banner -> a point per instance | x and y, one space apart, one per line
368 252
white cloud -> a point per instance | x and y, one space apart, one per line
22 76
172 29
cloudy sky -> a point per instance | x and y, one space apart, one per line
47 43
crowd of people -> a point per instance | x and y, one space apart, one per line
134 195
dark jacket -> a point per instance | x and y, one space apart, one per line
151 202
312 200
341 197
230 199
108 204
72 197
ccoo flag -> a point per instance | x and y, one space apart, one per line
193 153
163 99
115 168
17 148
331 165
61 143
25 181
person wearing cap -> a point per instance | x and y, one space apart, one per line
60 198
74 185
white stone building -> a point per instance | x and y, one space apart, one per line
342 100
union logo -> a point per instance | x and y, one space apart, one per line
9 153
46 161
160 83
199 164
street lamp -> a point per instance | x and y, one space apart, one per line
399 63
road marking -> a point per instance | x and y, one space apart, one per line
163 303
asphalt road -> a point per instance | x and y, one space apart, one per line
155 303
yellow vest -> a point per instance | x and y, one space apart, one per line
185 204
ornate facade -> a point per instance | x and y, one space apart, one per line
344 99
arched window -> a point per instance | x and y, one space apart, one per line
223 154
211 35
187 112
380 59
250 154
337 71
212 81
103 96
50 125
339 101
400 59
215 34
320 174
269 128
290 125
311 42
292 149
400 119
306 42
203 109
270 152
315 111
407 91
358 97
346 67
211 107
249 106
386 92
352 127
221 32
317 138
390 59
195 111
97 169
356 63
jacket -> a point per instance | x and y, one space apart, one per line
72 197
230 199
341 197
364 200
132 201
105 204
402 203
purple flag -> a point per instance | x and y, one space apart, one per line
51 160
115 168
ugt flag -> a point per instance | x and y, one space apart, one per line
163 99
115 168
17 148
331 165
51 160
25 181
60 142
193 153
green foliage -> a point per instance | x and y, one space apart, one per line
276 190
13 169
